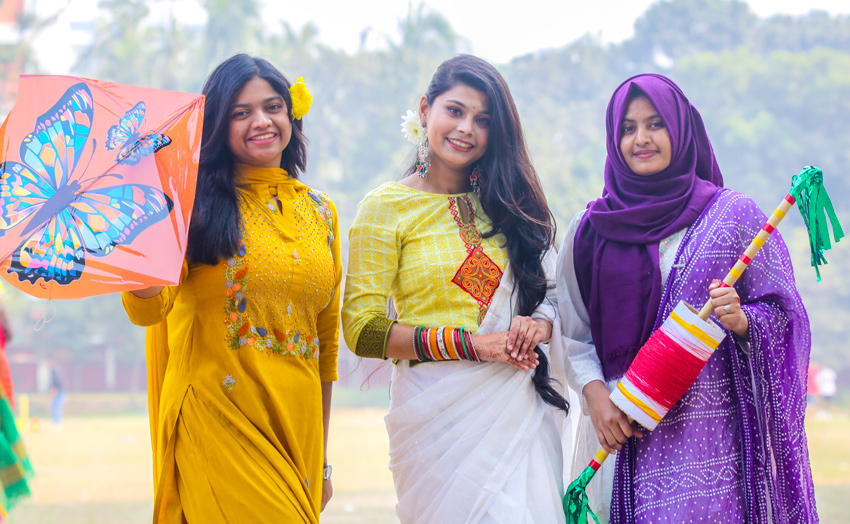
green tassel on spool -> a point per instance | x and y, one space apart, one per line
576 505
812 200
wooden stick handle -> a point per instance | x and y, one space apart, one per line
598 459
750 253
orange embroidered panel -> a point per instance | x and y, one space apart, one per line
479 276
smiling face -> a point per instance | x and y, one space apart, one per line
457 124
259 125
645 141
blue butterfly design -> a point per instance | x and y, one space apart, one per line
134 145
67 221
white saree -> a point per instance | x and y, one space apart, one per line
474 442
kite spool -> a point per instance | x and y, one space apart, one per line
666 366
673 357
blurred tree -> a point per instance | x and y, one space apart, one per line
20 28
671 29
425 32
774 93
233 26
130 48
803 33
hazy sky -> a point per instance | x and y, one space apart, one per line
494 34
500 34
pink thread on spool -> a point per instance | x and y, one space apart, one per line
663 370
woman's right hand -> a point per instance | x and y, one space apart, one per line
148 292
612 426
493 347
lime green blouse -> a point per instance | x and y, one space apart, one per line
407 244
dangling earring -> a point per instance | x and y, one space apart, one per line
475 178
423 159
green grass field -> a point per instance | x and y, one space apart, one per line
97 470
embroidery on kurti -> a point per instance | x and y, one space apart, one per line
241 332
479 276
322 206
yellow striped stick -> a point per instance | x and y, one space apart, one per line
766 230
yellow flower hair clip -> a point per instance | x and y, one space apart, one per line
301 98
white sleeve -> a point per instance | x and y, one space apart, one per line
547 310
575 337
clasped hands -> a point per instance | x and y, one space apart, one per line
515 346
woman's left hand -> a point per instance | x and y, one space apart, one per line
327 492
727 309
525 334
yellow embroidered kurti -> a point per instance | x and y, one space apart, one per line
236 356
409 244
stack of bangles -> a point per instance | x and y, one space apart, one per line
443 343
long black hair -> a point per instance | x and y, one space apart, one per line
216 224
511 194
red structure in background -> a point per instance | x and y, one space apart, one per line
11 57
101 372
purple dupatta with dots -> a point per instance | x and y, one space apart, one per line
734 449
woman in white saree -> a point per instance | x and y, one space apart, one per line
463 245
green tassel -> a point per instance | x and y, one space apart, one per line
812 200
576 505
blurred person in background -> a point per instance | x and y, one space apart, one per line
826 382
5 374
57 394
812 393
15 468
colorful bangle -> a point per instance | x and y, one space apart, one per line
472 353
417 347
443 343
449 339
462 343
432 344
426 348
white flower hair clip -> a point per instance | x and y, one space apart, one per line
412 128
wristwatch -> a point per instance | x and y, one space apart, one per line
326 473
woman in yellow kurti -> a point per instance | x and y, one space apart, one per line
242 354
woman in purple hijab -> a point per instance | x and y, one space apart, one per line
734 448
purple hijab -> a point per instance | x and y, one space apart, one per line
616 244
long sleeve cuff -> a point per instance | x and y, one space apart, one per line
372 342
328 371
147 311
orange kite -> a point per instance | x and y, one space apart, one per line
97 183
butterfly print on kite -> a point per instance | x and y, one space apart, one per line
68 217
134 145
